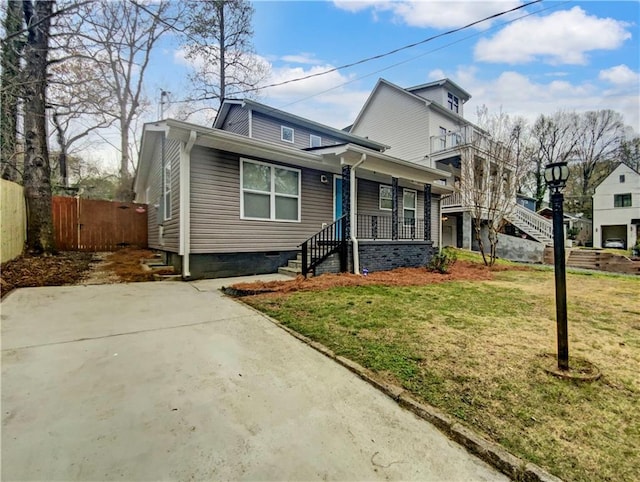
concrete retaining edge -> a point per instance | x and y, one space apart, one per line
492 453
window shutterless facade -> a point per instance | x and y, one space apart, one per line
315 141
269 192
453 102
409 203
166 189
622 200
286 134
385 199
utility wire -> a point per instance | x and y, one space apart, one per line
378 56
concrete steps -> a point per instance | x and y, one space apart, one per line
293 268
159 270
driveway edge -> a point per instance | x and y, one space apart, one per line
492 453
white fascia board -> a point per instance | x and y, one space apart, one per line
384 164
150 133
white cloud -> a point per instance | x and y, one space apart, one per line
302 58
518 95
563 37
436 14
620 75
323 99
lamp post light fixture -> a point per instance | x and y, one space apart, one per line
556 175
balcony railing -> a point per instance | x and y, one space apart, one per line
381 227
451 140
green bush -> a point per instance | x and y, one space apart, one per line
442 261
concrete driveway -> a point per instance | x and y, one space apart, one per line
157 381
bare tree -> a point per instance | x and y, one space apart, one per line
629 151
492 164
37 173
117 39
555 139
10 91
217 39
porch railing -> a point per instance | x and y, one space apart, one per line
323 244
381 227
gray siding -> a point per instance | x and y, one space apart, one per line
237 120
269 129
368 202
170 240
398 120
216 226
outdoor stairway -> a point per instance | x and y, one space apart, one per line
587 258
161 271
293 268
536 226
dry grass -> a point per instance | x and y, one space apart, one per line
126 264
475 349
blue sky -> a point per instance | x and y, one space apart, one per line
570 55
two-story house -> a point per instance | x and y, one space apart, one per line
616 207
262 187
425 125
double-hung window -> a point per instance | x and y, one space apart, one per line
409 203
269 192
443 138
622 200
386 198
286 134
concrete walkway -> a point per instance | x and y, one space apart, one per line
173 381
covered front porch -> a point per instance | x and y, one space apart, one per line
387 213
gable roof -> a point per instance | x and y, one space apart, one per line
448 84
409 92
340 134
617 166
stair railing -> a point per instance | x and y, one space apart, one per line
320 246
538 224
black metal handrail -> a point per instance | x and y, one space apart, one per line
381 227
323 244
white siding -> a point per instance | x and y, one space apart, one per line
604 212
398 120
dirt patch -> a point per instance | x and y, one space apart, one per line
70 268
65 268
461 270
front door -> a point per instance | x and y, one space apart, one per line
337 197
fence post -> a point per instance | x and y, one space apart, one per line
304 260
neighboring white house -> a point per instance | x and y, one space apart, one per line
426 125
616 207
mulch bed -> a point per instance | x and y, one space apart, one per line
461 270
64 268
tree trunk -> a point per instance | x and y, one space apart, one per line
125 187
37 172
62 156
10 91
222 45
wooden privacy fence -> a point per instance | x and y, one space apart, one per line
91 225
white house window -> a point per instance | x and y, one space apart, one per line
622 200
286 133
386 198
166 189
621 178
453 102
409 203
315 141
443 138
269 192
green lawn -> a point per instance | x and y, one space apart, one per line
475 350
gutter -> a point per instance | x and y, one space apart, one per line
352 213
185 203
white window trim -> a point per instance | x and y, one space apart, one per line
166 190
311 137
272 194
414 209
293 134
380 197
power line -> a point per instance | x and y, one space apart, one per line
378 56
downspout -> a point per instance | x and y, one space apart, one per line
185 204
352 215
